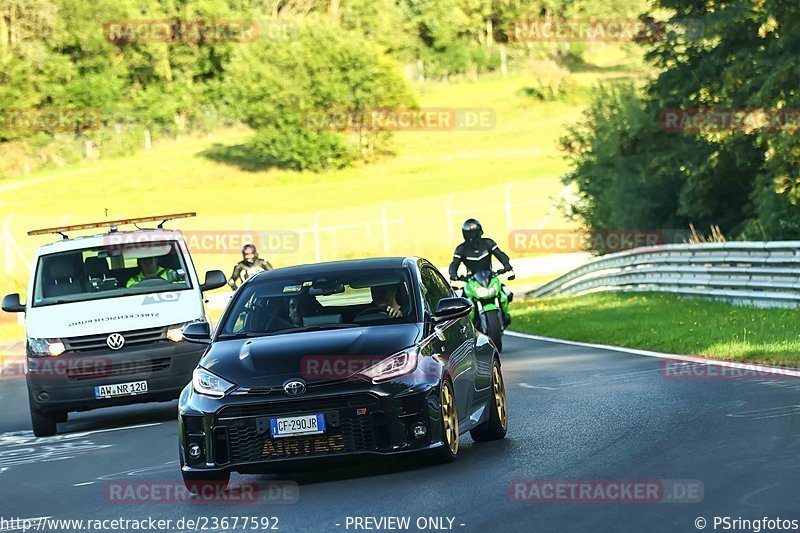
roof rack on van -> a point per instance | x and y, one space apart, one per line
112 224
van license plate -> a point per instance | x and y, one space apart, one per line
120 389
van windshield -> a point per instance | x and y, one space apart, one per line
109 272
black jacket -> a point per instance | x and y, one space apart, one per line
477 256
244 270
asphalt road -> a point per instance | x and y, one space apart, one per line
575 414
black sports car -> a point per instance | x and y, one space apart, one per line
366 356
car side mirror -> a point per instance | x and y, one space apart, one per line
451 308
198 333
11 304
214 280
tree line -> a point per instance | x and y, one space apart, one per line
58 55
711 140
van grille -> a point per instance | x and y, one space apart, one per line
98 342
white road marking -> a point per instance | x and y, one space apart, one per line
647 353
527 386
166 467
83 484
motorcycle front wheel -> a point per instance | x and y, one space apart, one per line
492 326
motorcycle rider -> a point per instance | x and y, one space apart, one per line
476 254
250 265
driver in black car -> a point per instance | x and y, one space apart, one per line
476 253
384 300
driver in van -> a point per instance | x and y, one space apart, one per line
150 269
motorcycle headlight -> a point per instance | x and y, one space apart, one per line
45 347
485 292
209 384
394 366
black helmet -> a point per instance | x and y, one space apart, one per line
471 229
249 249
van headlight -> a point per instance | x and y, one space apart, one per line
209 384
175 332
45 347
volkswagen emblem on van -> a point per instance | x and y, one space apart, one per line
115 341
294 387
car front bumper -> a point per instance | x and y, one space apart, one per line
360 419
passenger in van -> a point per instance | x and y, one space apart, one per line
150 269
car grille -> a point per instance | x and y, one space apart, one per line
246 445
246 429
98 342
295 406
122 368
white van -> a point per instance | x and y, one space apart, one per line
104 319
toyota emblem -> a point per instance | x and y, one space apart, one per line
294 387
115 341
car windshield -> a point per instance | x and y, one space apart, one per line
338 300
108 272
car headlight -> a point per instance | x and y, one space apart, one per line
396 365
209 384
45 347
485 292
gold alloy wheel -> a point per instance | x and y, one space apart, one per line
500 396
450 418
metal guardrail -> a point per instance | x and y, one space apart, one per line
765 274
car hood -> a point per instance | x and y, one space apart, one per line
314 356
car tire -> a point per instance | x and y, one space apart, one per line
196 481
61 416
43 425
494 328
496 427
448 449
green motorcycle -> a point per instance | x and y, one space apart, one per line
490 303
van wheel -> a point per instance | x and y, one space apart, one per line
61 416
43 424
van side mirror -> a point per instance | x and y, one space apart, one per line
11 304
451 308
198 332
214 280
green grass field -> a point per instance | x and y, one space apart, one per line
410 203
667 323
